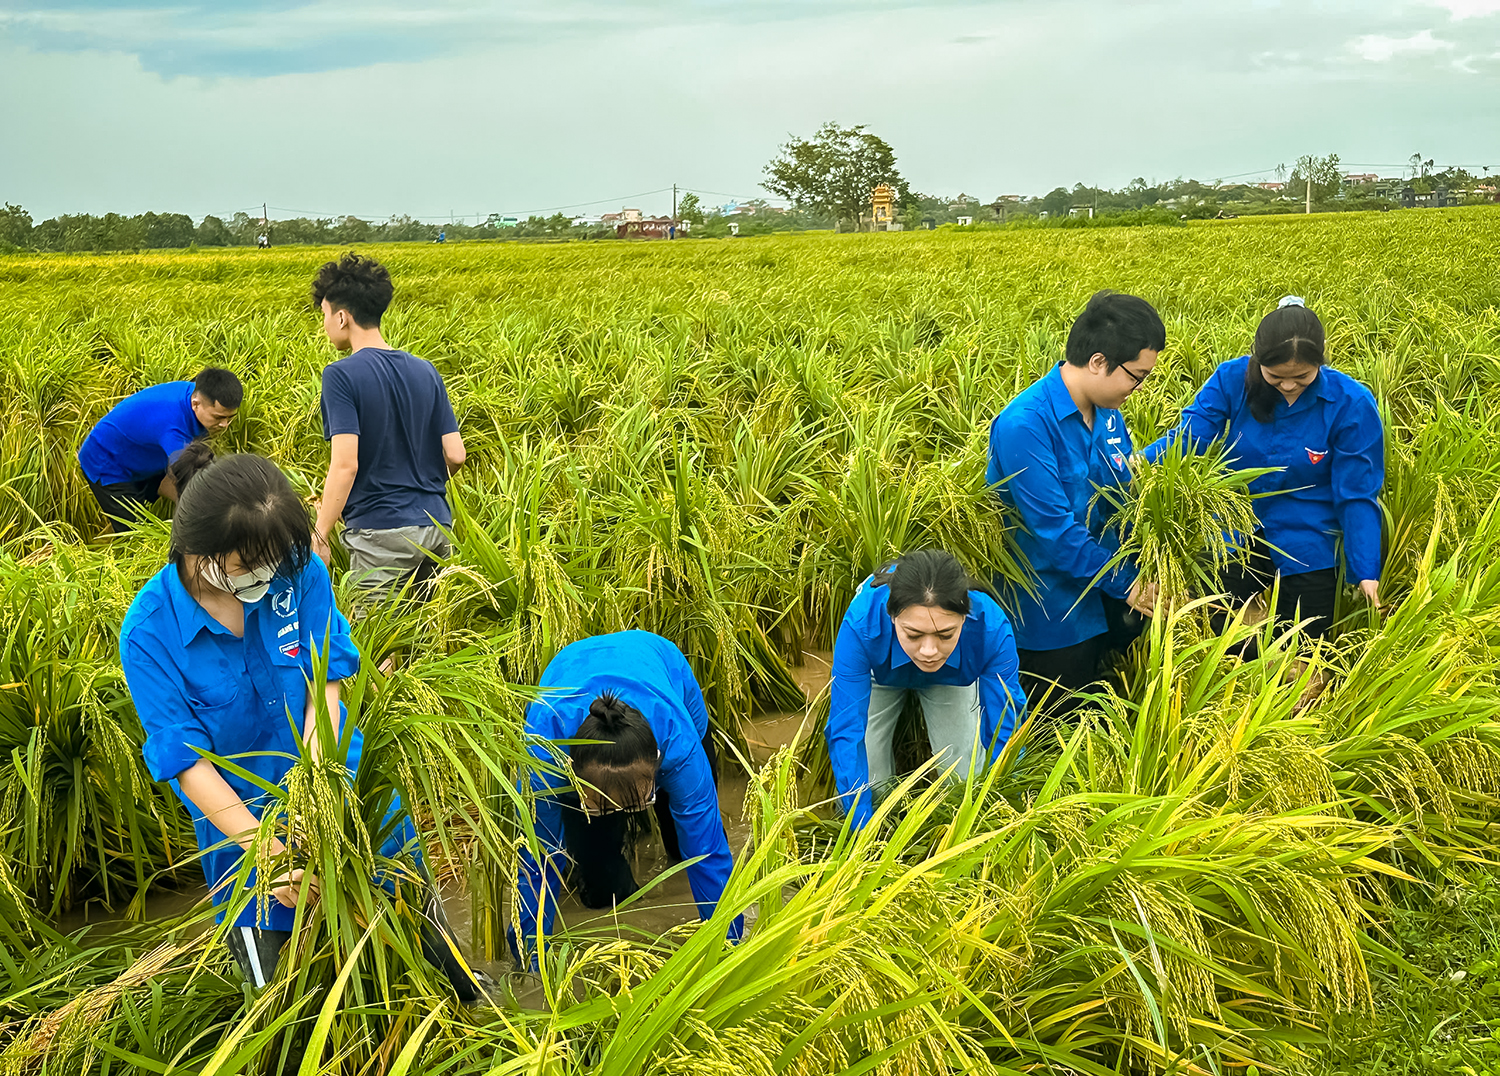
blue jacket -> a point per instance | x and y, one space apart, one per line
140 435
649 673
867 651
194 684
1332 446
1050 466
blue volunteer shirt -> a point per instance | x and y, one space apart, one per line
1332 446
649 673
398 406
867 651
197 685
140 435
1051 465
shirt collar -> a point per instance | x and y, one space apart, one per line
191 617
1323 385
1057 392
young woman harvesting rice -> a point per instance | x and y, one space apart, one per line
1283 406
634 694
218 648
922 627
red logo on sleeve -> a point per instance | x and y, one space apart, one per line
291 648
1314 456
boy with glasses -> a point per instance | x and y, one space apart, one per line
1051 449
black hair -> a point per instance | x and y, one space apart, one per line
361 286
1290 333
220 387
627 747
928 577
1117 326
242 504
195 457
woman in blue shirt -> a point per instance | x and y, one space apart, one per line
218 648
920 626
1281 406
635 693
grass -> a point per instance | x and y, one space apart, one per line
718 441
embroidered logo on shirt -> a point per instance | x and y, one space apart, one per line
282 603
1314 456
292 647
1109 423
1119 458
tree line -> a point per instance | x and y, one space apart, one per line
827 179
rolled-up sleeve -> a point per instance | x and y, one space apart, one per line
172 728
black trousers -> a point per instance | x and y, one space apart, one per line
1308 596
600 847
256 951
121 502
1052 679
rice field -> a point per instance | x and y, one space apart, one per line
718 441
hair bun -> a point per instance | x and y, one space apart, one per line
609 711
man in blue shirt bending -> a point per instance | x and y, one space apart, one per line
394 437
1051 449
126 455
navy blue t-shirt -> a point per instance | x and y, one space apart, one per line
398 406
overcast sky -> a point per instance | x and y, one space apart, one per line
375 108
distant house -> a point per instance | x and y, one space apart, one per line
1271 186
1359 179
964 222
587 222
645 228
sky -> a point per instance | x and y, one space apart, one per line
455 107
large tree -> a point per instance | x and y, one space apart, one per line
1324 173
834 171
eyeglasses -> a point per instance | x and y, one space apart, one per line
1139 379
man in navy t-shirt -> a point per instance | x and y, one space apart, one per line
394 439
126 455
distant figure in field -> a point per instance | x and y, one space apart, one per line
1281 406
128 454
1051 450
394 439
919 627
442 236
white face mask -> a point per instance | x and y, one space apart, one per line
249 587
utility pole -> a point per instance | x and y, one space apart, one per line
674 202
1308 178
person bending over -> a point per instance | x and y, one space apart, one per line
922 627
218 649
634 693
1051 449
126 457
393 438
1283 406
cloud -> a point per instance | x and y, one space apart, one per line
1468 9
257 38
1378 48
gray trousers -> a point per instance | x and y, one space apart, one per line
952 712
383 560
